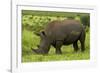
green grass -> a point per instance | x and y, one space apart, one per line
31 40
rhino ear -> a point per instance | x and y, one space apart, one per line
42 33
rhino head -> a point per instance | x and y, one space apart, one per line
44 45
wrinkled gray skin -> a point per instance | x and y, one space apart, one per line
58 33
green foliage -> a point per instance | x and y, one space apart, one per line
71 17
37 20
85 19
37 23
33 22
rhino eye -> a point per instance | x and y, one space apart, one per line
43 33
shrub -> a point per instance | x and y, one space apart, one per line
85 20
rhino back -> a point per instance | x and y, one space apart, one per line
66 29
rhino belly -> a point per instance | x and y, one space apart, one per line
71 38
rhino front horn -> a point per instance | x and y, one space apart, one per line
34 50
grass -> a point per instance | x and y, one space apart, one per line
31 40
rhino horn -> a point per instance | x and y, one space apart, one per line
34 50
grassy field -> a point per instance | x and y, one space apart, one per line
68 52
33 22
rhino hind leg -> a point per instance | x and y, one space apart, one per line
58 47
82 45
75 45
82 41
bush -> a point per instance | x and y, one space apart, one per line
85 20
71 17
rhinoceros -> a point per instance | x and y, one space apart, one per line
61 32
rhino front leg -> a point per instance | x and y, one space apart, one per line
58 47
